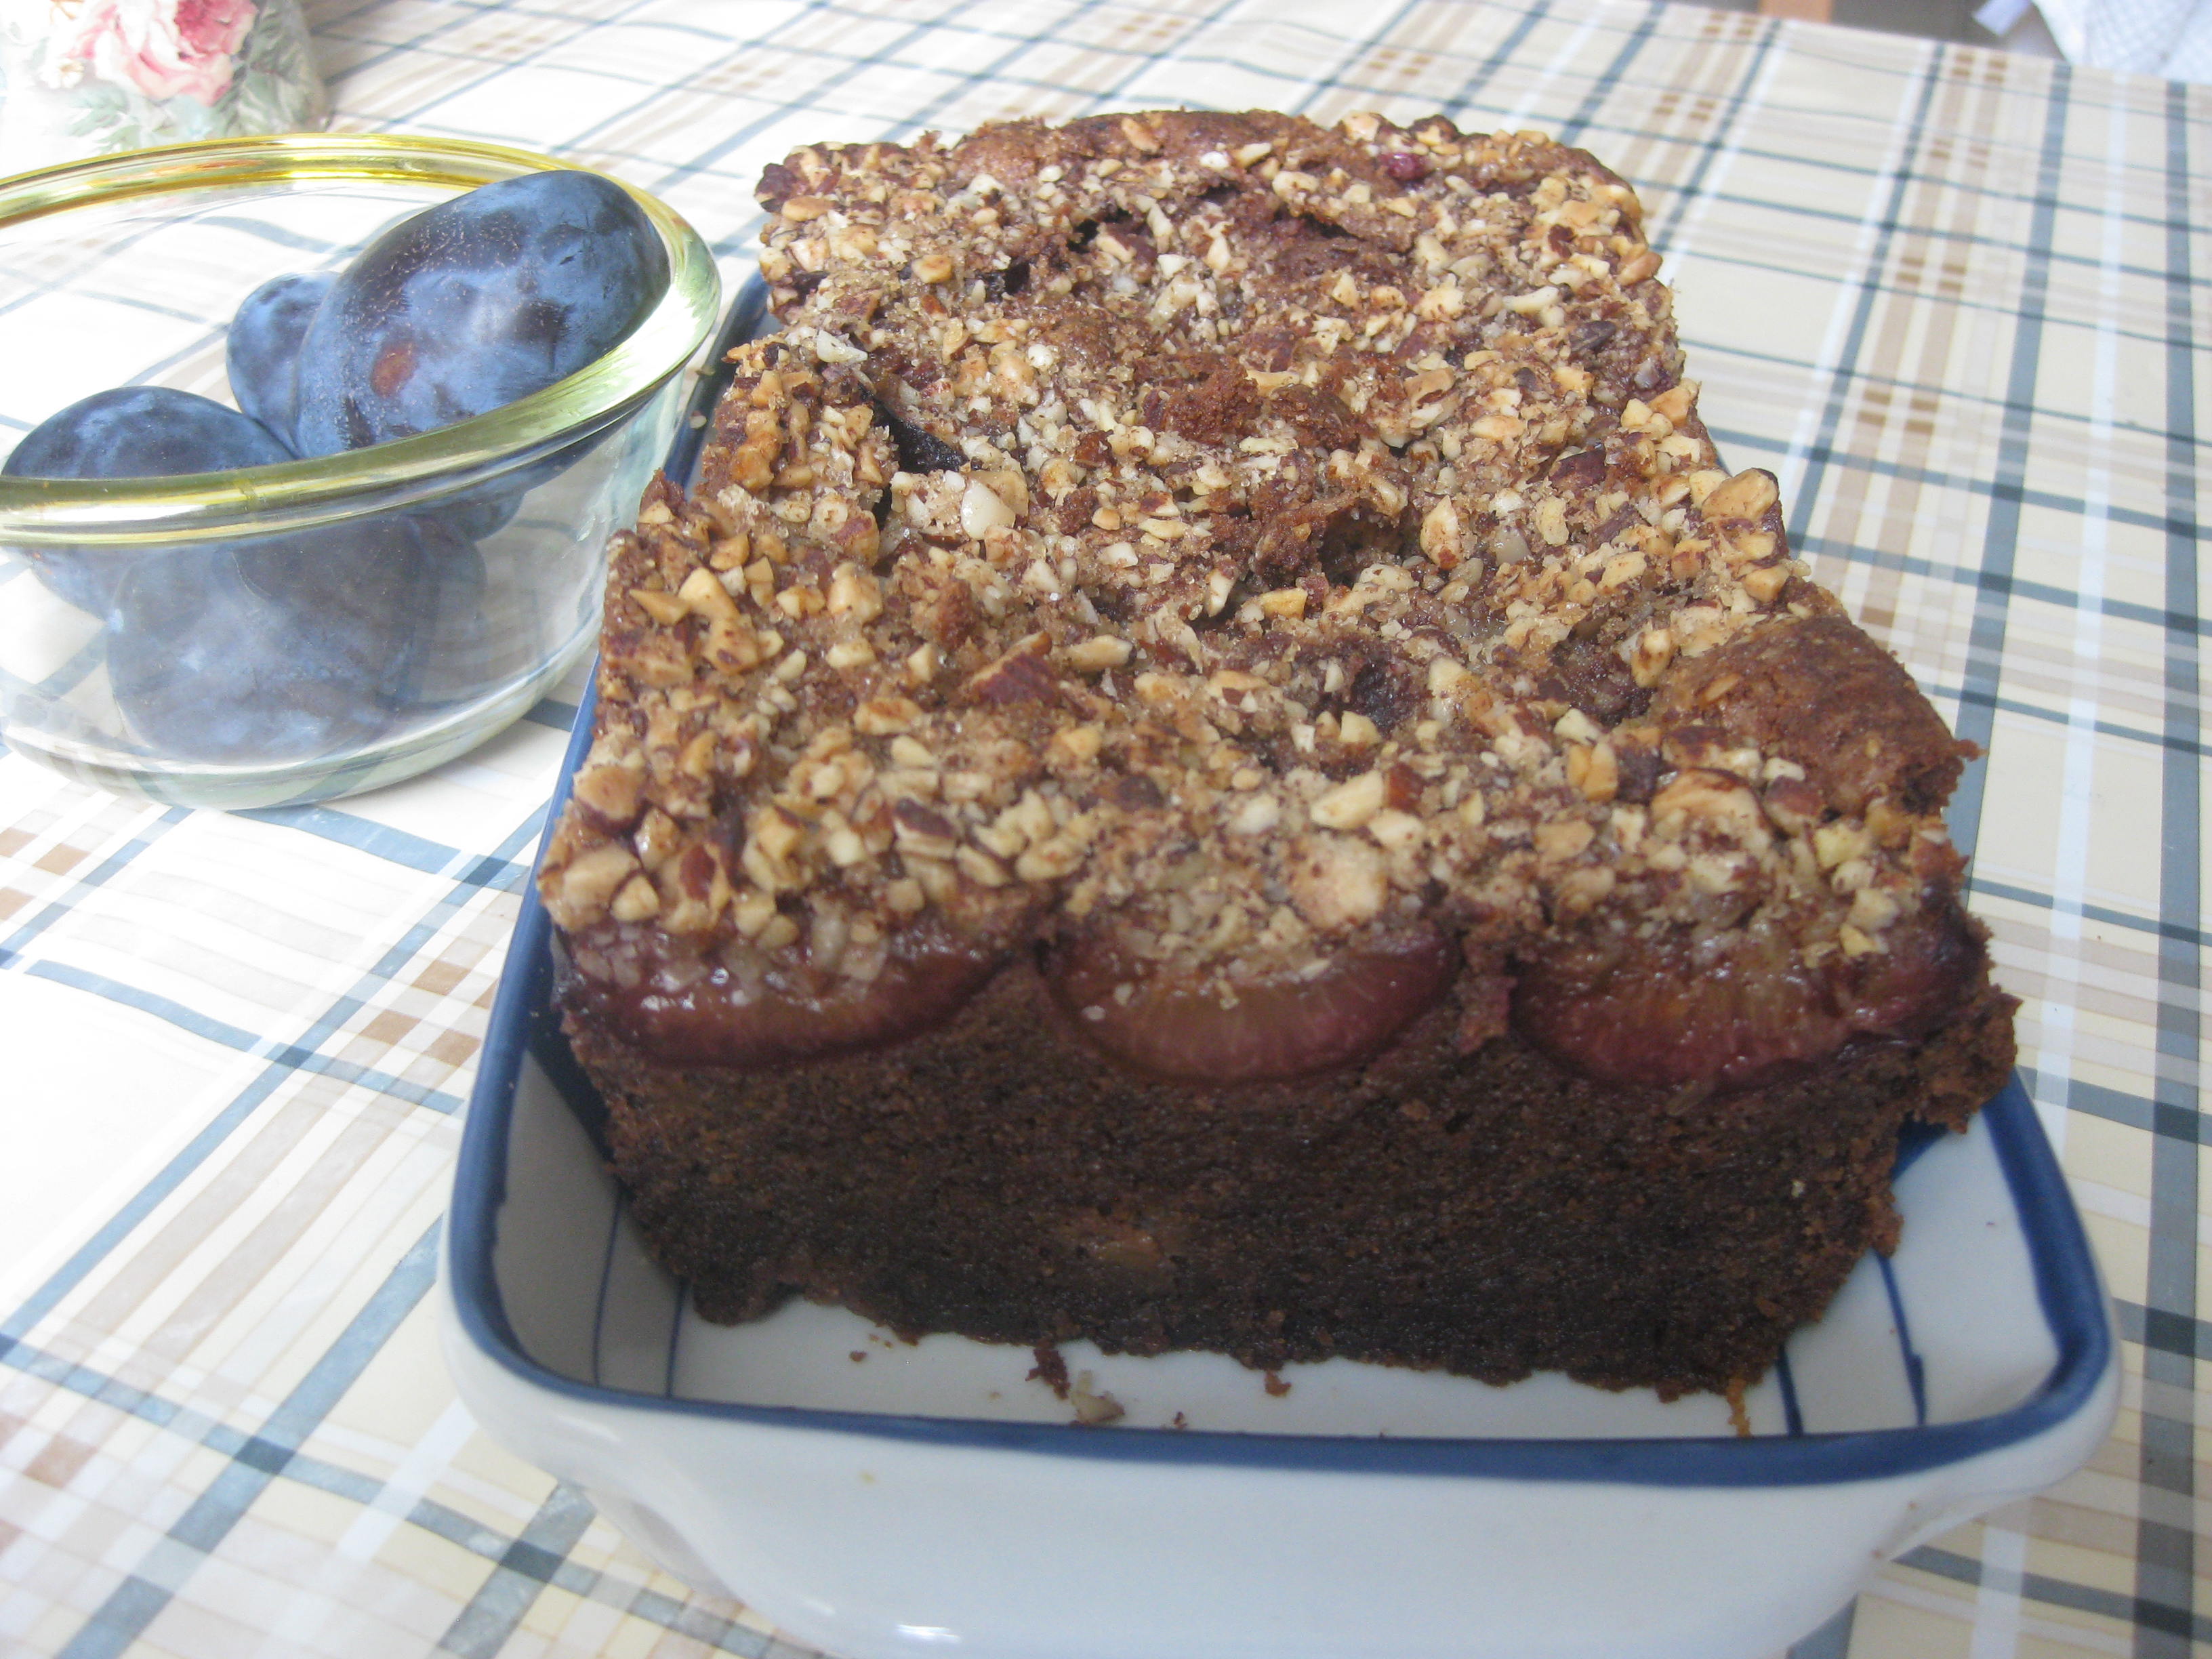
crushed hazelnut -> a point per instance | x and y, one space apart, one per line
1227 643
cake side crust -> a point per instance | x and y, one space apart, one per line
1489 1217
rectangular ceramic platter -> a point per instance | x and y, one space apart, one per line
1956 1327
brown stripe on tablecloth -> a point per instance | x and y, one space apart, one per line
404 88
2167 1556
1831 497
1369 68
246 1161
1464 103
2079 1526
1660 124
452 1050
247 1266
73 837
2043 675
387 1027
1457 53
764 72
150 1273
59 1460
129 1281
133 1604
60 858
1966 107
2116 982
1072 71
440 976
1574 128
1106 68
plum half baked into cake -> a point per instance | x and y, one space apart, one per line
1213 761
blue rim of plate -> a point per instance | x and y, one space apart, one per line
523 1022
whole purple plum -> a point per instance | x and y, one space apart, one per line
131 432
473 304
296 644
262 350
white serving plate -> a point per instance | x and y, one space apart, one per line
883 1500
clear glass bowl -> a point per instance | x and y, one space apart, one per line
286 634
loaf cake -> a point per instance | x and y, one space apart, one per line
1212 760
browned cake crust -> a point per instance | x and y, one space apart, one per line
1215 763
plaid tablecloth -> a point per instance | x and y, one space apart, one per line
1954 298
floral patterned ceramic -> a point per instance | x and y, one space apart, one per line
89 77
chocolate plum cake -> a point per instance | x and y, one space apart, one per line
1213 761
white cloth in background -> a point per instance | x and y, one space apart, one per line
2172 38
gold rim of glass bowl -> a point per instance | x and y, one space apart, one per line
131 512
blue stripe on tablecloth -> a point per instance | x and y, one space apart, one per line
2165 1543
966 80
1863 279
651 91
398 846
424 44
1720 133
1986 641
696 1623
1993 189
844 63
2079 1598
1500 55
65 677
1352 49
2193 937
118 1226
203 1146
744 134
1612 74
133 302
519 1567
268 230
162 1569
231 1036
1974 304
13 947
1698 346
1937 688
2168 1333
525 1567
1964 304
210 330
438 1519
2045 593
1832 1641
2184 1124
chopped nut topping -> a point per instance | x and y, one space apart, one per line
1244 534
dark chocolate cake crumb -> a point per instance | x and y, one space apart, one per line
1050 1368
